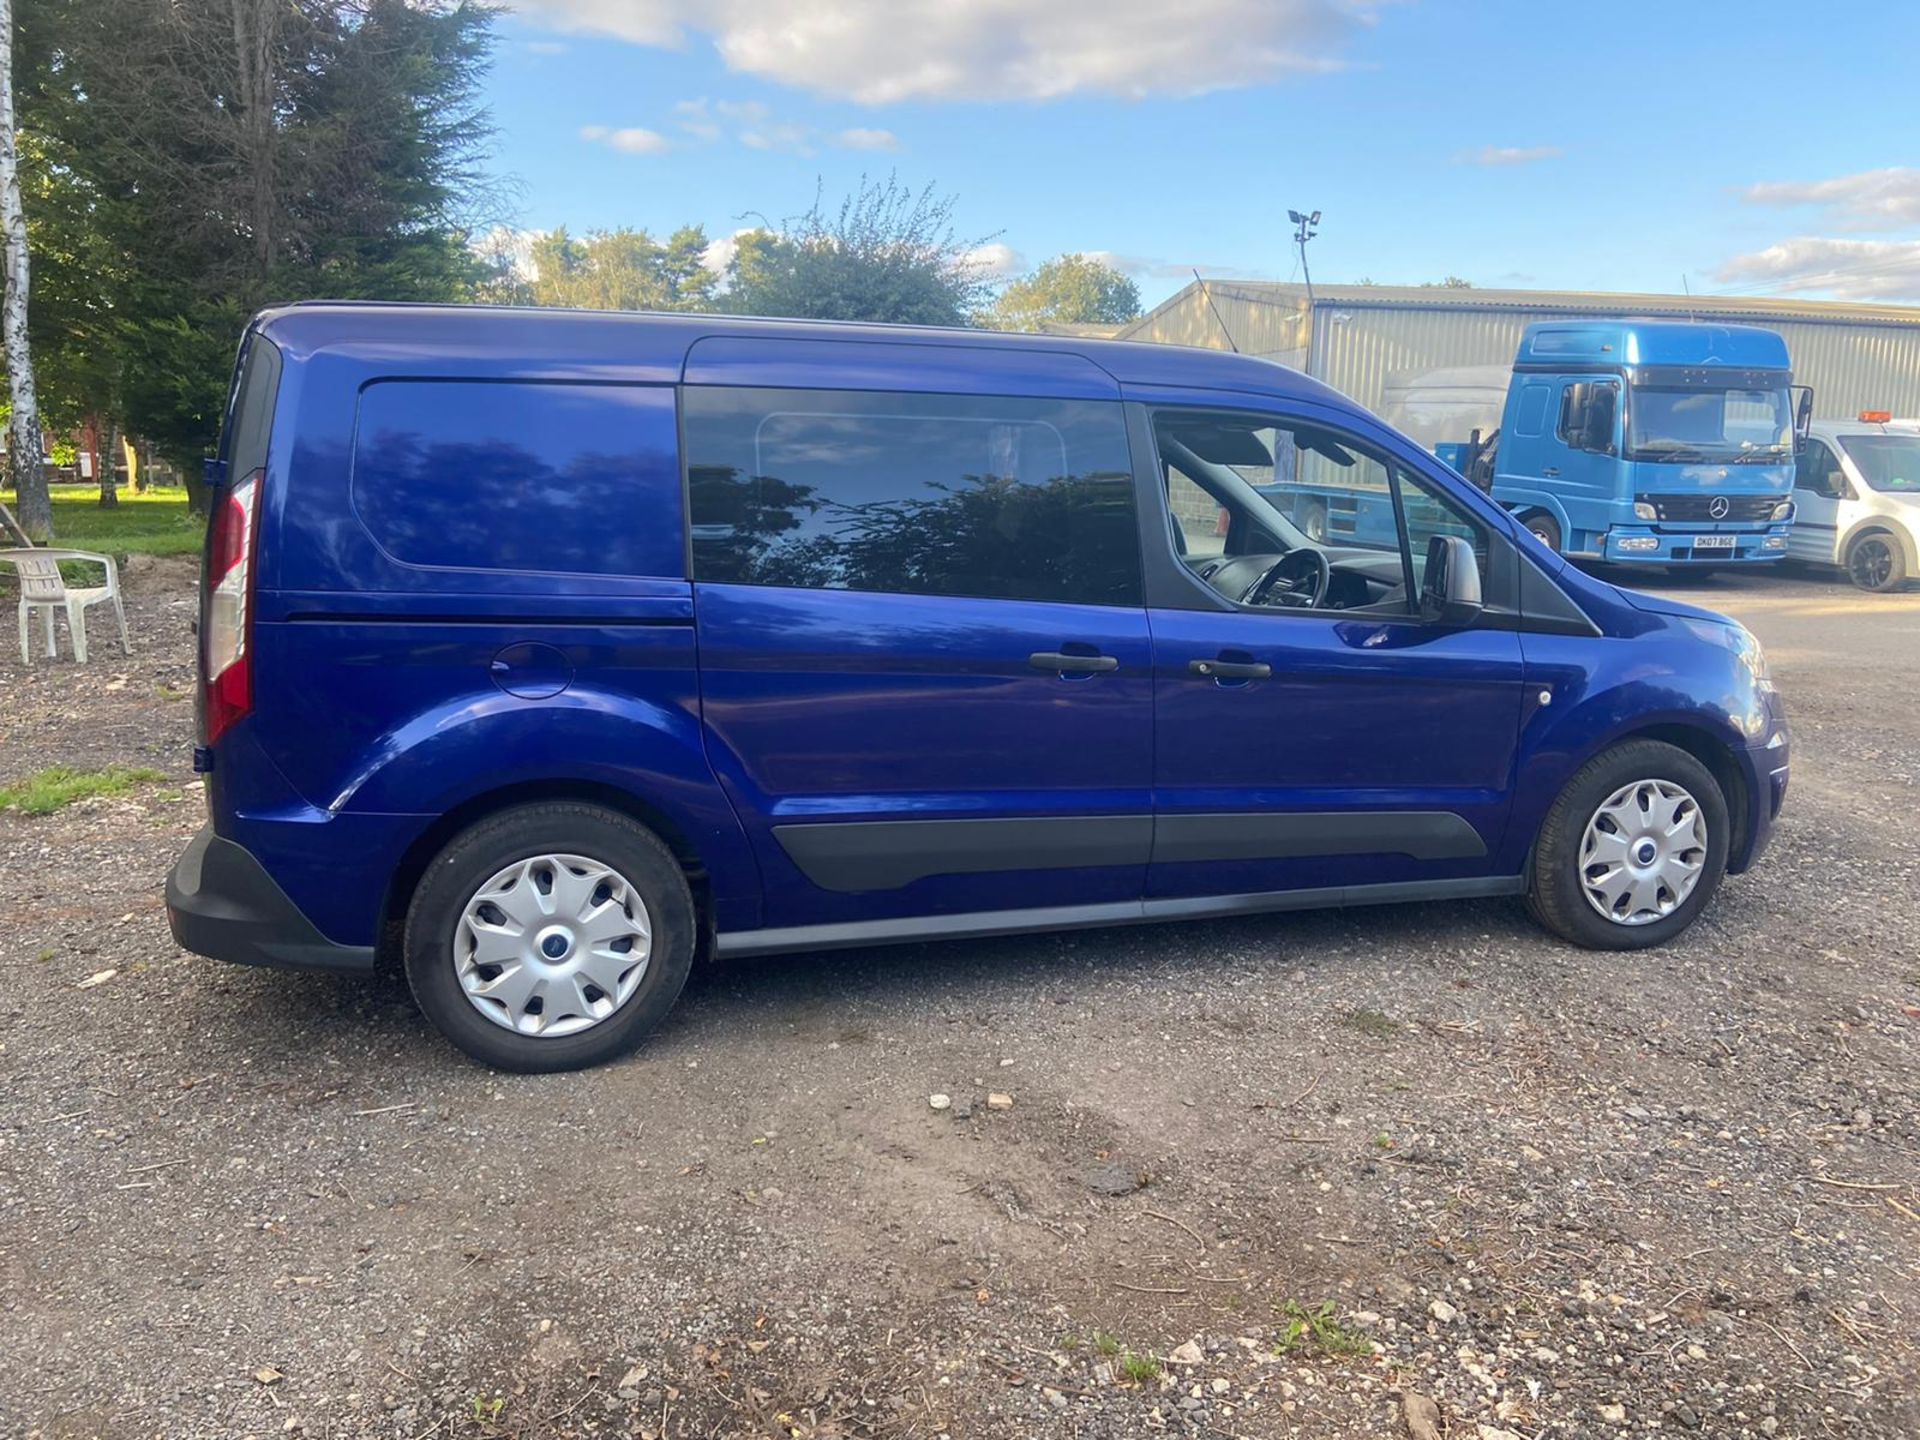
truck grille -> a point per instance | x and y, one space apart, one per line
1744 509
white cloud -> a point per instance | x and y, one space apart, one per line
879 51
1152 267
997 261
719 252
1872 200
631 139
860 138
1844 269
509 248
1499 155
545 47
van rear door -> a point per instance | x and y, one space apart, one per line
925 668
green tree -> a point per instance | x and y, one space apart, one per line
229 154
609 270
1068 289
886 254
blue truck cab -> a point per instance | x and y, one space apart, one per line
1647 442
543 653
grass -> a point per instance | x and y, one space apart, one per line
1140 1369
1320 1326
55 789
156 523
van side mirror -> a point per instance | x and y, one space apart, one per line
1450 589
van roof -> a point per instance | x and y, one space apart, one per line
652 347
1616 343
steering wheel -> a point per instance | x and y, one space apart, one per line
1298 578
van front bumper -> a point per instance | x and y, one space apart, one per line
222 903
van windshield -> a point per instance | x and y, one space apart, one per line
1888 463
1681 424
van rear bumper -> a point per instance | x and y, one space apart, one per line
222 903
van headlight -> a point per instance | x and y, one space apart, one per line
1784 510
1643 511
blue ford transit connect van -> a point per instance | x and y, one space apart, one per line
549 651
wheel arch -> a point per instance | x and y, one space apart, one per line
1881 525
1718 755
405 878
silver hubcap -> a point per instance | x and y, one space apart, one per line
1643 852
552 945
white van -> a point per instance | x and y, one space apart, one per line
1856 499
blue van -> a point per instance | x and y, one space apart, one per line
545 652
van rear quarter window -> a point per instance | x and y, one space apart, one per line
1000 498
523 476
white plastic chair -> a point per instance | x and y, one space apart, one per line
42 589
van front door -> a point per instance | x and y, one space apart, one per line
925 668
1818 485
1312 731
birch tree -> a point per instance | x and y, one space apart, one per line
29 479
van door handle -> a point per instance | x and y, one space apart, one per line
1550 471
1061 664
1230 669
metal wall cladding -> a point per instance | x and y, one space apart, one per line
1362 351
1273 328
1366 345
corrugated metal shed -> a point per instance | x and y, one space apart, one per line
1375 341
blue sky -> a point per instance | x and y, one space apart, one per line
1763 148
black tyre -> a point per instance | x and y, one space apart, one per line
1313 522
1876 562
1632 850
550 937
1545 528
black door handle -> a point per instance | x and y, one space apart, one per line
1550 471
1072 664
1230 669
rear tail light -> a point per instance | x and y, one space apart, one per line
226 662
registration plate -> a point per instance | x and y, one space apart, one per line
1713 542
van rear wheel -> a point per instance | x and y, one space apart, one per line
550 937
1632 850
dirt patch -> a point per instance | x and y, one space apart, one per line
1562 1193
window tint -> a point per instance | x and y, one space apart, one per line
912 494
250 421
568 479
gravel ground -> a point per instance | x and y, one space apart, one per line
1418 1171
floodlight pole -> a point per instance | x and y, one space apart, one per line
1303 232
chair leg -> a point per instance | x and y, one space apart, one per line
26 650
120 612
77 629
46 612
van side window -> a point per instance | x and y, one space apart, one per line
250 425
521 476
1816 469
1000 498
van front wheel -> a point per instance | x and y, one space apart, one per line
1632 850
550 937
